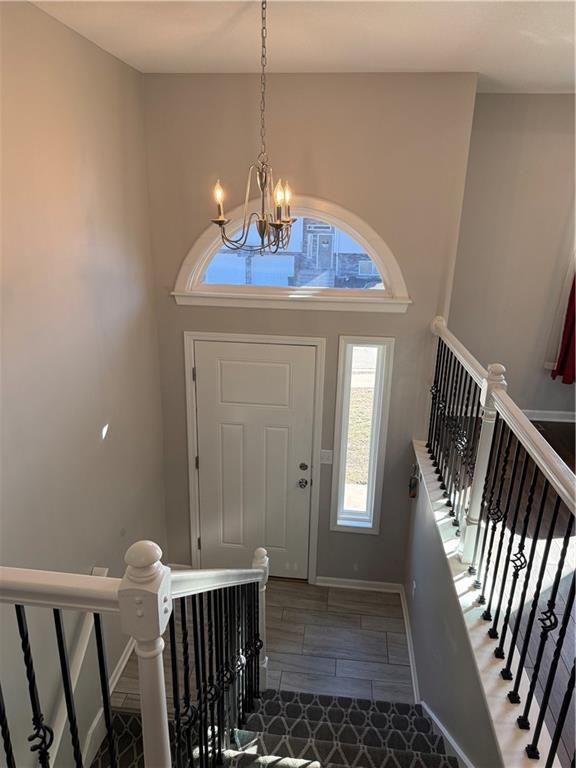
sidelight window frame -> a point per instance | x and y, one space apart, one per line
351 521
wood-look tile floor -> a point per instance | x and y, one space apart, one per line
341 642
321 640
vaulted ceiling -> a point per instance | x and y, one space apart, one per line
513 45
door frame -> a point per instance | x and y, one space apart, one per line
319 345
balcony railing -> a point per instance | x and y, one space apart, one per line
512 499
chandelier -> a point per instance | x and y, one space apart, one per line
272 220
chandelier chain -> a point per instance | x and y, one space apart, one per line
263 156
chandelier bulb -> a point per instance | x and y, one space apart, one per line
219 197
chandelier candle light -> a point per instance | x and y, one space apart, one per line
273 220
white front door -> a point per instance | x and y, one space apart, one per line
255 412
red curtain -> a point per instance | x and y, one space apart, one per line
565 364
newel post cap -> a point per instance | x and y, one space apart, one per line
261 561
494 382
438 324
142 554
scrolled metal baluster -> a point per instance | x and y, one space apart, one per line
212 687
189 714
445 413
514 696
198 632
452 437
446 454
434 395
219 673
532 748
488 495
549 622
43 735
493 631
518 561
442 351
565 706
5 730
487 615
462 441
258 643
495 515
175 689
105 689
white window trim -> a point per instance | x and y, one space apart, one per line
189 289
383 387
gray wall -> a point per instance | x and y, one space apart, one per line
517 241
390 148
79 339
445 665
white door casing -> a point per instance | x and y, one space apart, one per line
254 421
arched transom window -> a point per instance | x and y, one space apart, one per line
333 261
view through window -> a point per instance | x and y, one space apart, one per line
319 255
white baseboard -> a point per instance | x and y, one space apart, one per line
371 586
460 754
550 415
97 731
410 643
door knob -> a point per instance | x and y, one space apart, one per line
303 466
302 482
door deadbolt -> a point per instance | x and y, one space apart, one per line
302 482
303 466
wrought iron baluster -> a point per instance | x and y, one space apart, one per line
494 511
462 442
5 729
212 691
105 689
440 404
219 673
434 400
43 735
493 631
560 721
189 714
518 561
455 436
175 689
447 388
449 428
68 689
514 696
501 516
488 496
258 642
452 438
548 621
532 748
198 630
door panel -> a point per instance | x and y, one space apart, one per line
254 418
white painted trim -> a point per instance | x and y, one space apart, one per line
410 643
308 341
97 730
383 386
195 582
565 416
459 752
189 288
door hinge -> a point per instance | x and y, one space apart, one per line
197 462
199 542
194 373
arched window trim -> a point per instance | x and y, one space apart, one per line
189 289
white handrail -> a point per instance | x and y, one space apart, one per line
193 582
558 474
440 329
59 590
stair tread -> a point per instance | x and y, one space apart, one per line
347 733
341 710
346 755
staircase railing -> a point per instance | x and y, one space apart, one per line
215 623
512 498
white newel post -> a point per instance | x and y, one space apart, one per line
145 607
494 381
262 562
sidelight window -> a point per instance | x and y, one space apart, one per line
363 396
